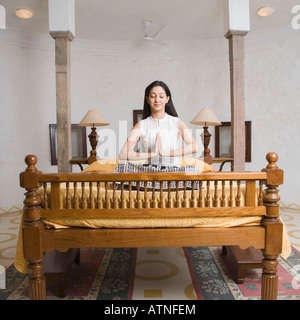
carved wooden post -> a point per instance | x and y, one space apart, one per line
273 228
32 230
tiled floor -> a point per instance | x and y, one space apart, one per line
9 230
291 218
172 278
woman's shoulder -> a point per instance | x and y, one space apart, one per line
172 118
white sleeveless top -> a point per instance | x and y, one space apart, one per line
170 137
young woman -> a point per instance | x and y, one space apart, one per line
164 136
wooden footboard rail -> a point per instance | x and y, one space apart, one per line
90 190
86 194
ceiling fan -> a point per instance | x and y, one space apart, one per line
150 37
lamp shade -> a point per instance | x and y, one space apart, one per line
206 117
93 118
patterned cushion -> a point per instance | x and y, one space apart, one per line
127 166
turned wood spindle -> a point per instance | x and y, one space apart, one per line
273 227
32 230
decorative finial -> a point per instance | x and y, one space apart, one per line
272 158
31 161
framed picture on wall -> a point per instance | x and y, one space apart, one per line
79 148
137 116
223 140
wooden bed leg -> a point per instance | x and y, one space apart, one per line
269 282
224 250
33 226
37 282
273 226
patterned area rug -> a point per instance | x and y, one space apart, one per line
102 274
212 280
108 274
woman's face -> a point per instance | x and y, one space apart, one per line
157 99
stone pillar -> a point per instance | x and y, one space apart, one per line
236 26
236 61
63 97
62 29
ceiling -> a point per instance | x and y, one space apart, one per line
119 20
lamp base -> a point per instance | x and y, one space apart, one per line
91 159
93 141
208 159
207 156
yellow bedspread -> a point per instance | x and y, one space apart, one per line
214 222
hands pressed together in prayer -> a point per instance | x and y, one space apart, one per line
158 151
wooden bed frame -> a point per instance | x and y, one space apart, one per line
37 239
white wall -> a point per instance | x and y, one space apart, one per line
273 104
27 104
114 83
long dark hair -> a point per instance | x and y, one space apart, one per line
169 105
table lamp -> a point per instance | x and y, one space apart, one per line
207 118
93 118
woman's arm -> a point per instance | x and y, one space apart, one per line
128 153
190 144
